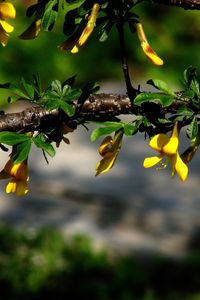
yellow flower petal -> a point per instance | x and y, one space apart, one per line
11 186
148 51
179 167
151 54
74 50
7 27
171 147
3 37
158 141
106 163
86 31
19 171
152 161
90 25
21 188
7 10
32 31
106 145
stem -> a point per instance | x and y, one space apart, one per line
130 90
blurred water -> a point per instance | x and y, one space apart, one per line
129 209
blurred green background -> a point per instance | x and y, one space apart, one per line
35 265
44 265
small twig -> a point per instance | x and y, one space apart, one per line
120 28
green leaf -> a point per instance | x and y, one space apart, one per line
50 15
105 30
22 151
28 88
90 88
47 147
57 87
162 86
96 133
74 94
14 89
164 100
67 108
192 129
75 4
185 111
188 94
130 129
69 81
66 90
37 83
12 138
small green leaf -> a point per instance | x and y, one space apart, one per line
14 89
96 133
67 108
130 129
28 88
185 111
50 15
145 97
105 30
12 138
162 86
188 94
164 100
21 152
75 4
74 94
66 90
192 129
57 87
47 147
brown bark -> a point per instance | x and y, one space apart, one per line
186 4
99 107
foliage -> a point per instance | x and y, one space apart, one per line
42 263
154 113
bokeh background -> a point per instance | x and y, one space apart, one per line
129 234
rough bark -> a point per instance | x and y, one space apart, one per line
186 4
99 107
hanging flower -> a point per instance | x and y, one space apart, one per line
74 45
19 177
7 11
167 146
109 150
148 51
32 31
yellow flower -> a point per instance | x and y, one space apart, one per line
32 31
167 146
19 174
109 150
148 51
7 11
80 41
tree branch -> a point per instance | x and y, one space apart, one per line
97 107
186 4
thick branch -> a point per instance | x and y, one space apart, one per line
97 107
187 4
